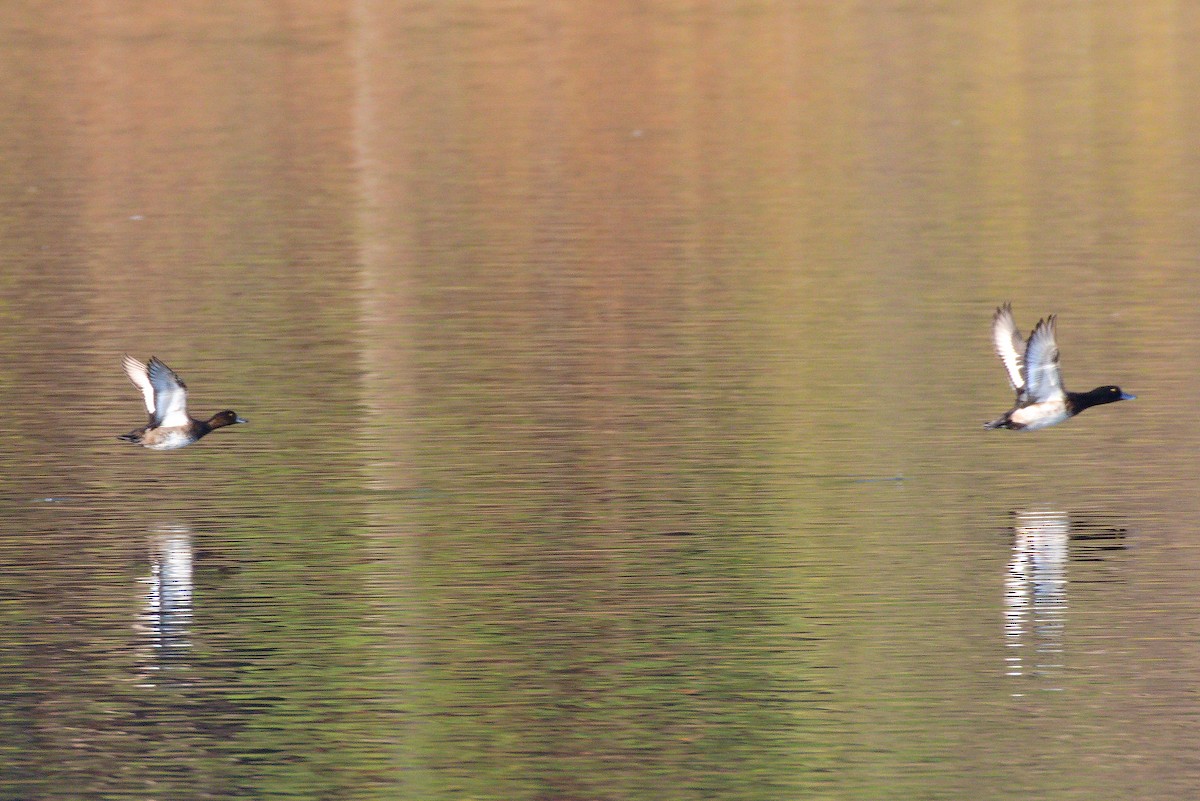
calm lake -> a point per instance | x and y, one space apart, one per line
615 376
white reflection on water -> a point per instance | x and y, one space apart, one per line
1046 544
164 624
1035 596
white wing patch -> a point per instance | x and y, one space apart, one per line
170 395
1009 345
137 374
1043 381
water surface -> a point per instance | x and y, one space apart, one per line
615 378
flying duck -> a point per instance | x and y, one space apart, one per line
165 395
1032 368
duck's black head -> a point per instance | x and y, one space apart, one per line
1099 395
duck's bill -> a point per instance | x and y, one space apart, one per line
1127 396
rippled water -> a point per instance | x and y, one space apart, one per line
615 378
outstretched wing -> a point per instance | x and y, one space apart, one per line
1009 346
1043 381
170 395
138 375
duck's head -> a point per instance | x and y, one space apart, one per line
1109 394
225 418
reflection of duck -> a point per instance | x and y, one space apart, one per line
1035 591
165 395
1046 544
1096 538
1032 369
166 617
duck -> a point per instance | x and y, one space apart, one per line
1032 368
165 395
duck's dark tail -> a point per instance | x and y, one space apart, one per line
999 422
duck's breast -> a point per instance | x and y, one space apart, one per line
165 439
1041 415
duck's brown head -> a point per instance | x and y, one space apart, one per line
225 418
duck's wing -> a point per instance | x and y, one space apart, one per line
138 375
1043 381
1009 345
170 395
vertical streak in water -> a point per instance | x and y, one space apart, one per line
389 216
1035 597
166 618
